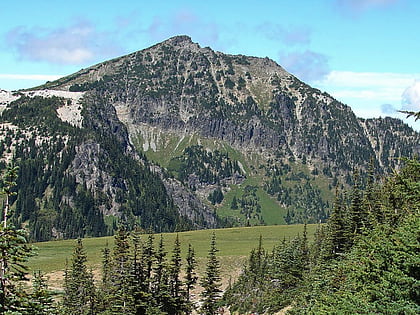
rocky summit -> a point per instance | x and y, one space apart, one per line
177 137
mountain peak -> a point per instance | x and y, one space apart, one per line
176 40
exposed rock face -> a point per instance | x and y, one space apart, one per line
251 103
189 205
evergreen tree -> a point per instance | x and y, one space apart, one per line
79 290
14 252
371 201
140 288
41 301
234 204
161 290
190 278
357 212
121 299
211 281
105 288
339 236
175 283
148 258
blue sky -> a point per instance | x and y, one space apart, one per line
363 52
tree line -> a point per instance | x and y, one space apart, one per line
364 260
137 277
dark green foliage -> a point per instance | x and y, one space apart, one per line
37 112
249 205
211 281
41 299
209 167
339 236
190 278
234 203
175 283
216 196
79 290
364 261
270 281
296 192
229 84
14 252
137 278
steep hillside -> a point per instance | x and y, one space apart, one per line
166 135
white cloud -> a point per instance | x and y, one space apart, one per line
76 44
373 94
411 97
385 87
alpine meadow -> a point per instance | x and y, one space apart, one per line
183 180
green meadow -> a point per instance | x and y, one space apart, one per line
234 245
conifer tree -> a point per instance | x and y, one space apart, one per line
175 283
357 212
41 301
160 276
14 252
105 288
121 298
257 265
338 238
190 278
79 290
148 258
211 281
371 201
140 289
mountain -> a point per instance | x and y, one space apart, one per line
177 136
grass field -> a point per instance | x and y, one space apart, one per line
234 245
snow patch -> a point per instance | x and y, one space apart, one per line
70 112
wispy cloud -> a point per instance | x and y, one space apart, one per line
357 7
388 109
76 44
372 94
297 35
368 85
308 66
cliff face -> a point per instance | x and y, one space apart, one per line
251 103
213 122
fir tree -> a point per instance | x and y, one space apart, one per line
160 279
190 277
140 288
211 281
234 203
41 302
175 283
339 236
357 212
121 298
105 288
14 252
79 290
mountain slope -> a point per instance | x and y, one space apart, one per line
234 134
